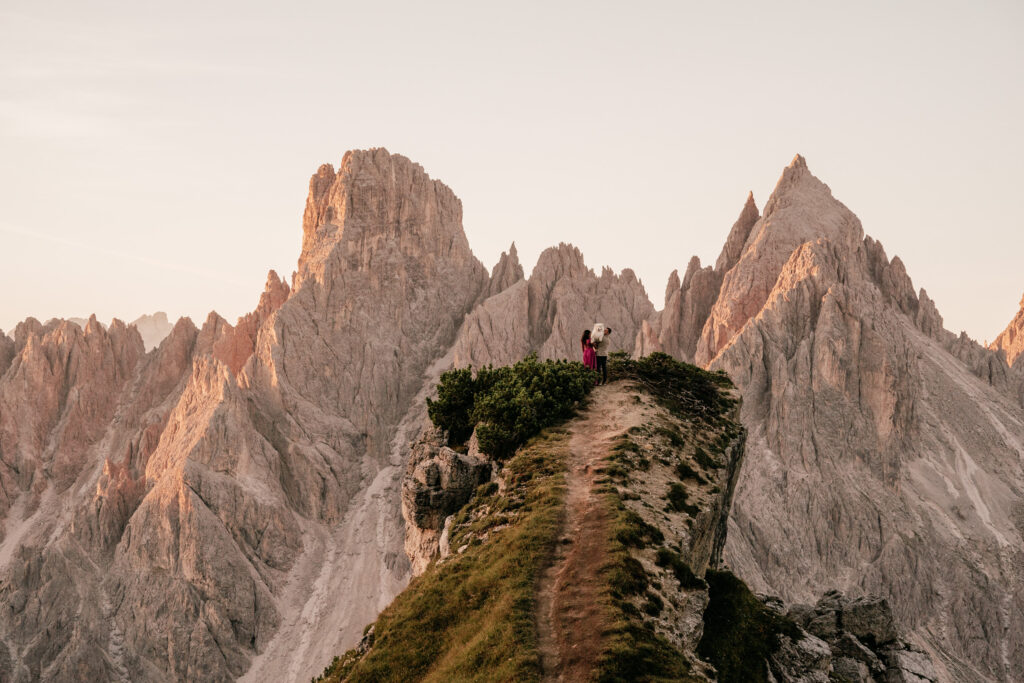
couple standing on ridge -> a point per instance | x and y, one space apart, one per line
595 350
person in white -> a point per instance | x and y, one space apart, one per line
599 337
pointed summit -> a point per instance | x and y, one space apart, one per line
801 209
507 271
738 236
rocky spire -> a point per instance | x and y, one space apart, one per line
738 235
673 284
235 344
507 271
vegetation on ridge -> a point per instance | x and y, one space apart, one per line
507 405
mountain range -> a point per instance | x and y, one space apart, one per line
228 504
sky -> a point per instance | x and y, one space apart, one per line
156 156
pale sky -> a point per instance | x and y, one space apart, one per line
156 156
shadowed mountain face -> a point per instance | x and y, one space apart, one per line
228 503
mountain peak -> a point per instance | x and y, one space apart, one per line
376 199
507 271
738 235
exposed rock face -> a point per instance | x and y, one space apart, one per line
438 481
548 313
170 516
1011 340
884 453
6 352
235 345
848 640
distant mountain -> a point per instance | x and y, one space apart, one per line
153 328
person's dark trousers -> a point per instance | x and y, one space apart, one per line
602 368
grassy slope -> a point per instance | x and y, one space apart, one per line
471 618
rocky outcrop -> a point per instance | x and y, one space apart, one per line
801 209
6 352
438 482
1011 340
854 640
548 312
235 345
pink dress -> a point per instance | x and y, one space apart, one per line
589 355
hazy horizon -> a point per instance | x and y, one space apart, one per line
156 158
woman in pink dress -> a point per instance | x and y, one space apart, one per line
589 355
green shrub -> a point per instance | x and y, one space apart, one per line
632 531
453 405
705 460
677 499
508 405
684 471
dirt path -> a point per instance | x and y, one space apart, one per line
570 618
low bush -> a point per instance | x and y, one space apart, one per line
508 405
677 500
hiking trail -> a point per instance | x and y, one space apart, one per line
570 611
